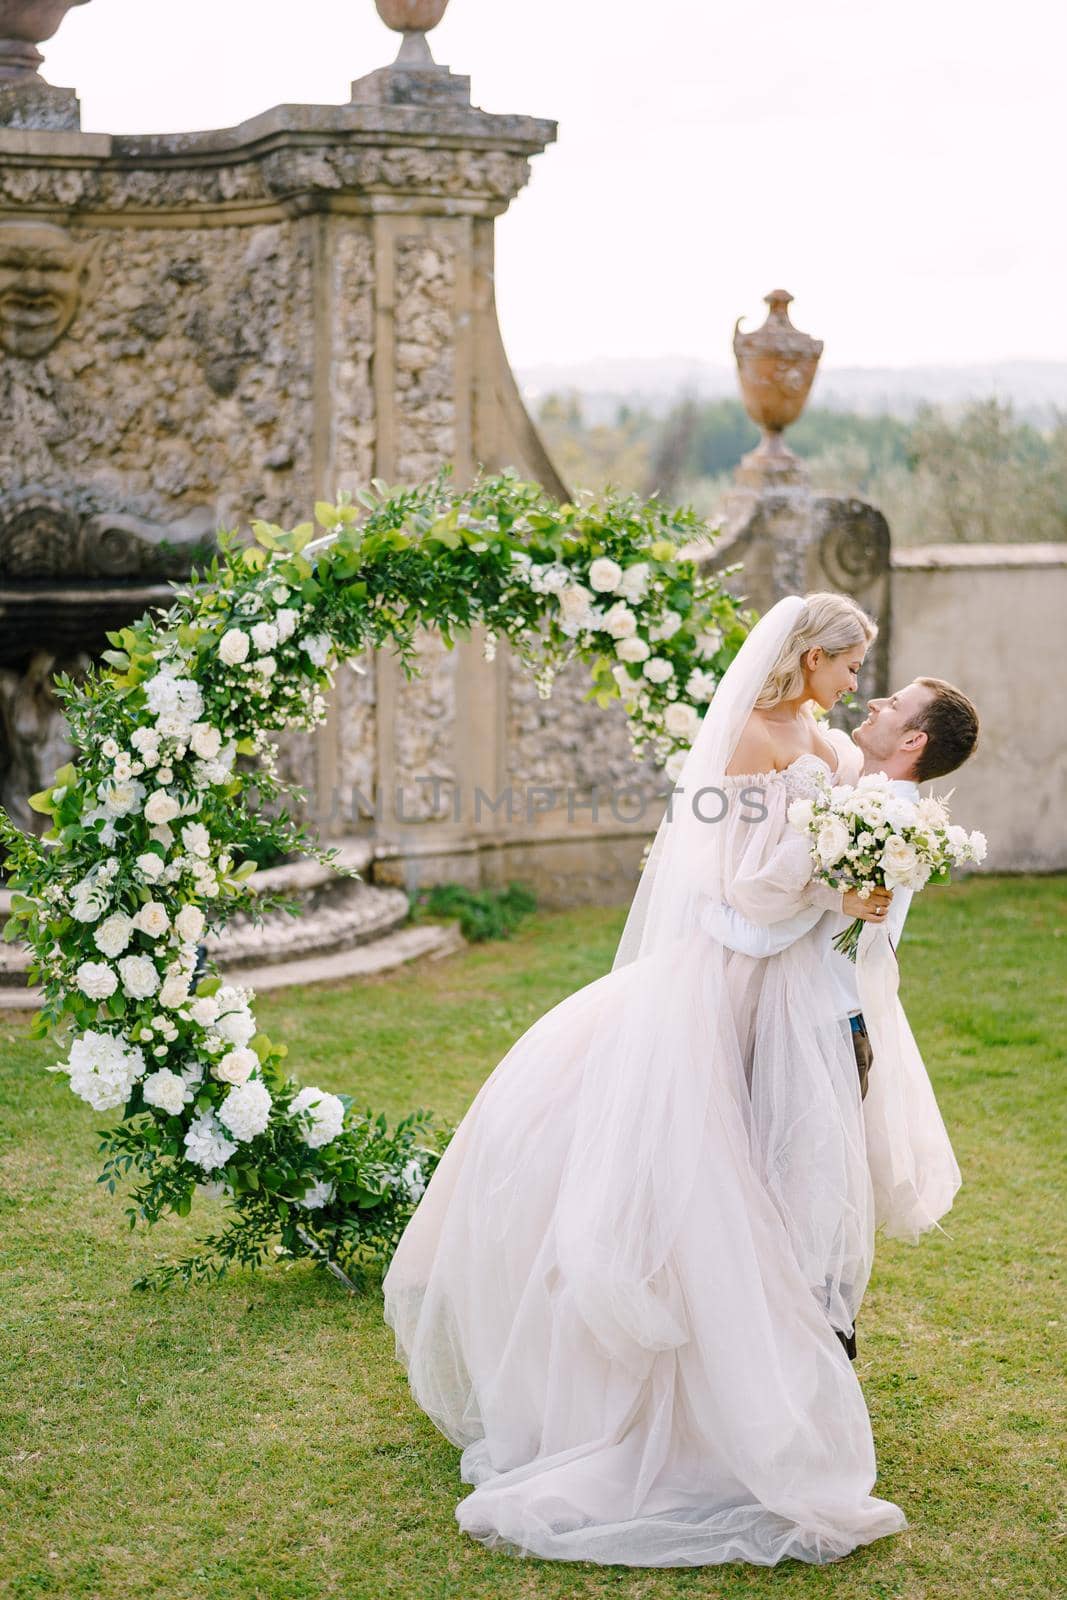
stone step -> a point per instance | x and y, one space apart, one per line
424 941
337 915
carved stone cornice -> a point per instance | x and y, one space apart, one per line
451 158
43 537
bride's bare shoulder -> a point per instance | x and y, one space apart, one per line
755 751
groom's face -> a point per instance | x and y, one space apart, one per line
886 730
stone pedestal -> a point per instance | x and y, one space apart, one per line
793 541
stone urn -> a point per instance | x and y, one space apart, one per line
24 24
414 19
776 366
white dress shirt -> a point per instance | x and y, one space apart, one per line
730 928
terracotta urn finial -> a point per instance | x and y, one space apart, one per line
24 24
414 19
776 366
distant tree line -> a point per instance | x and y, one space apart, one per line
975 475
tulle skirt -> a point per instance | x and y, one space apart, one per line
618 1294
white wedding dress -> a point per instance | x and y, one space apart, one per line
619 1291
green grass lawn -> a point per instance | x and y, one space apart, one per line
256 1438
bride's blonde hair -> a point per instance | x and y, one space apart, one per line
830 622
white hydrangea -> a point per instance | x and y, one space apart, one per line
168 694
237 1066
96 980
709 642
605 575
327 1114
167 1090
636 649
666 627
204 1010
233 647
234 1022
700 685
318 647
657 669
175 991
246 1110
628 687
103 1068
113 934
264 637
139 976
161 807
317 1194
413 1179
197 840
206 1144
285 622
145 740
152 919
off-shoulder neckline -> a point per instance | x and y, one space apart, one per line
780 772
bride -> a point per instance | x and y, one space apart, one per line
622 1292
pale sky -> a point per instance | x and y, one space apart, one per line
898 167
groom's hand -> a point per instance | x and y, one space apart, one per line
874 909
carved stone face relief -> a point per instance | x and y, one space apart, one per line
44 276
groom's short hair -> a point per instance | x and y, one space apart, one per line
950 723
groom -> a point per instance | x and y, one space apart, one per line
923 731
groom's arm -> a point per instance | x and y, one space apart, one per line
730 928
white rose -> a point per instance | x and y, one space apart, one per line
666 627
139 976
246 1110
236 1066
152 919
605 575
675 763
150 866
161 807
574 602
264 637
658 670
327 1116
113 935
635 582
189 924
979 845
619 621
709 642
204 1010
832 840
681 720
899 813
898 861
628 686
266 666
175 991
145 739
233 647
800 814
165 1089
96 980
205 741
632 650
121 798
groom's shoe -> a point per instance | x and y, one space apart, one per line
848 1340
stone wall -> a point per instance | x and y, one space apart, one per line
989 618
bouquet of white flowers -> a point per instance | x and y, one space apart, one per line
866 838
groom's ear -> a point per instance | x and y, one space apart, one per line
914 740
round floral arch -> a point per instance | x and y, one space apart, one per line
152 827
